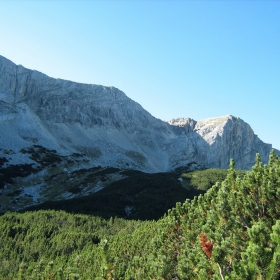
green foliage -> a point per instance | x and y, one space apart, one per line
230 232
7 174
42 155
148 196
205 179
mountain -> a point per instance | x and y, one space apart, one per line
109 129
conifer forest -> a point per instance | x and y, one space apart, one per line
229 231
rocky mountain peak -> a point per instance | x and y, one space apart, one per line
110 129
187 123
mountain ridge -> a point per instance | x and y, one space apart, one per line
110 129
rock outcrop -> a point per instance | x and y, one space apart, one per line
217 140
110 129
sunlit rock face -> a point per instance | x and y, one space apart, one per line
230 137
110 129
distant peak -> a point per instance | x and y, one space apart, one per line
181 122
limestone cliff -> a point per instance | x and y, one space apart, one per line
110 129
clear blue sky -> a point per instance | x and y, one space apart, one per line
197 59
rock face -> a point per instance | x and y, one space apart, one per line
110 129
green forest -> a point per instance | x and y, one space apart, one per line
228 231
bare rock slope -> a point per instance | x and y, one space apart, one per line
109 129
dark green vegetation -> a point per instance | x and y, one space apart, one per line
49 174
230 232
138 196
8 174
52 179
2 161
42 156
205 179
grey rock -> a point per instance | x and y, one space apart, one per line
187 123
110 128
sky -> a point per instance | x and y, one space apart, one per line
197 59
